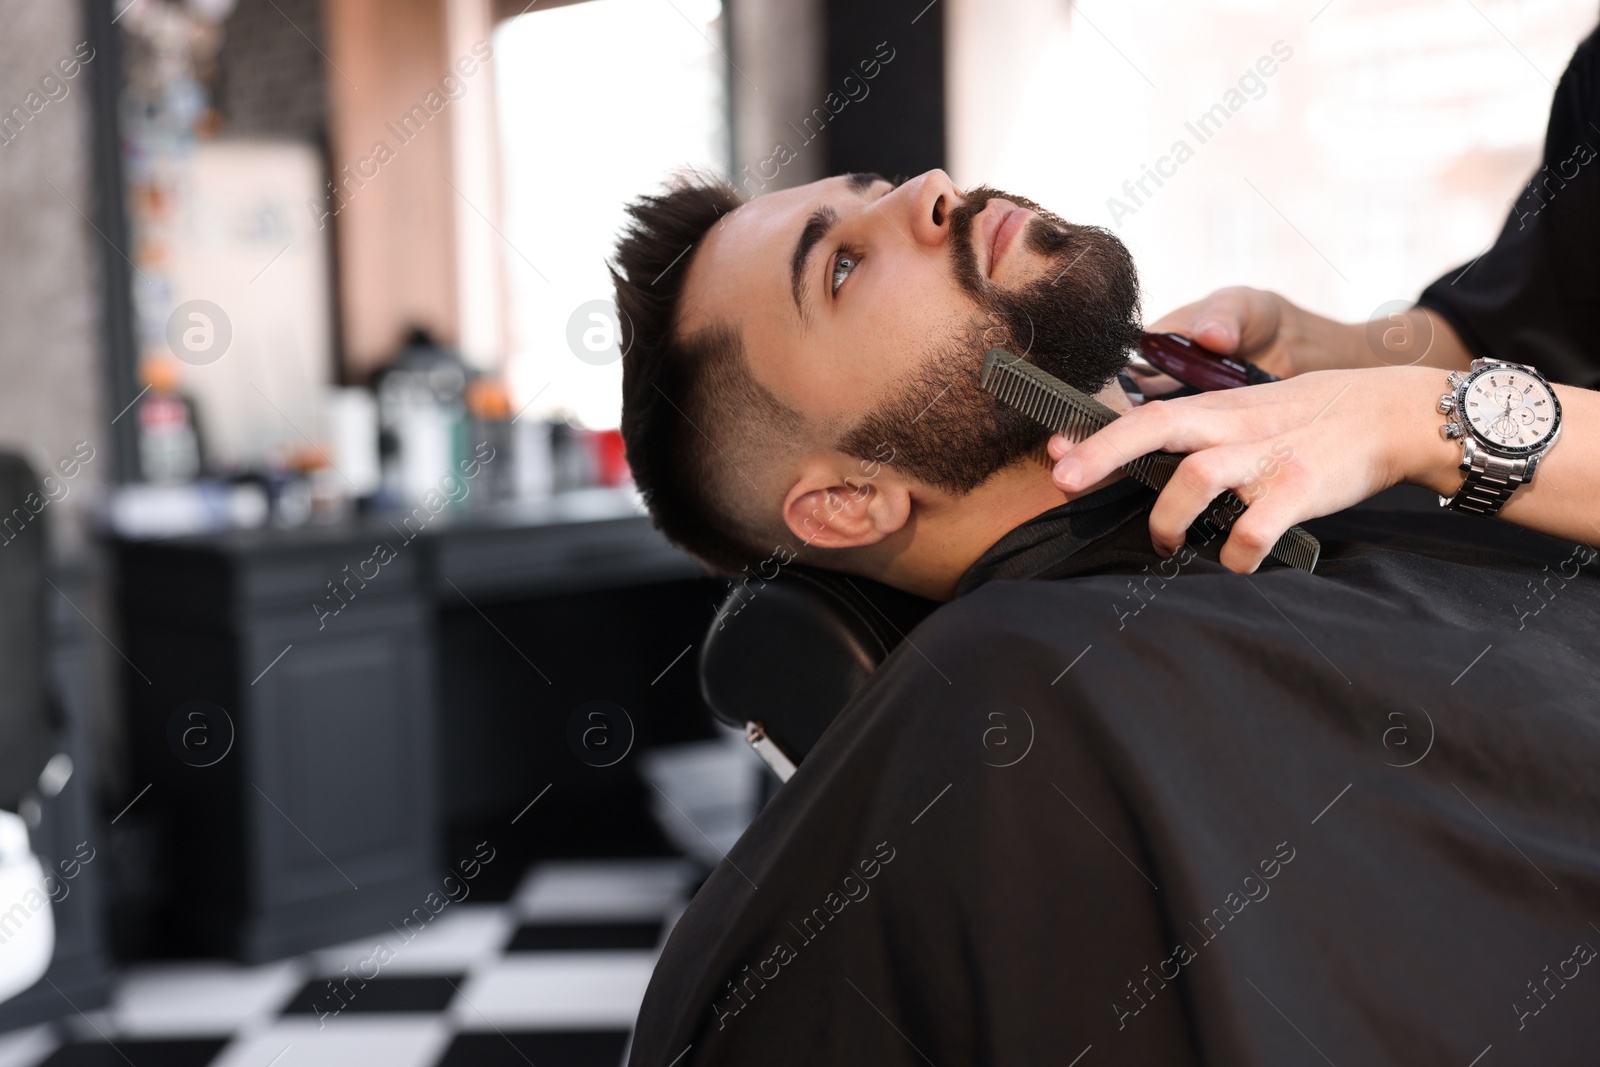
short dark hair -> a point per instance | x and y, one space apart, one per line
691 409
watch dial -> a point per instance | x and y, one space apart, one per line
1510 408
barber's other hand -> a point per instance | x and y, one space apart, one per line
1285 339
1234 321
1263 327
1292 450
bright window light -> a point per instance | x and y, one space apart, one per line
599 102
1354 151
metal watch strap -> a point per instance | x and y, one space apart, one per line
1490 482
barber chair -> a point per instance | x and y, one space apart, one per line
784 656
30 766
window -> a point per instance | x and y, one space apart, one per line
598 102
1384 150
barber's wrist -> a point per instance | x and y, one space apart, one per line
1415 337
1419 454
1316 342
1445 349
1347 343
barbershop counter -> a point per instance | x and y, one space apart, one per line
317 708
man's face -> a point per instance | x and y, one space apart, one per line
869 308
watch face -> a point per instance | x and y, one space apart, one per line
1510 410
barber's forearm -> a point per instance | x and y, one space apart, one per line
1362 344
1447 351
1563 500
1285 339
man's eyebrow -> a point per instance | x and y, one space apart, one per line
816 228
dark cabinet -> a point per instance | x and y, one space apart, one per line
342 775
289 751
287 706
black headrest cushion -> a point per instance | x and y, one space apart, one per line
790 653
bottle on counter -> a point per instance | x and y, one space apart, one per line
532 459
421 418
572 461
610 458
169 428
490 432
353 440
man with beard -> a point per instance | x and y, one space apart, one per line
1189 736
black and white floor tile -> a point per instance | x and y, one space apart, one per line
552 977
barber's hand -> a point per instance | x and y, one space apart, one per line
1274 334
1235 321
1292 450
1285 339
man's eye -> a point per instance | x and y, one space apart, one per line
843 264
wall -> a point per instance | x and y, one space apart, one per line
395 232
50 392
892 122
778 45
272 81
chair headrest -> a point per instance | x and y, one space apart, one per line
789 653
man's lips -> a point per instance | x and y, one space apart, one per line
999 222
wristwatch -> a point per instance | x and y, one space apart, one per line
1508 418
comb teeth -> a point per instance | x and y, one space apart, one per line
1076 415
1042 397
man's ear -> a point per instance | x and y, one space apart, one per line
833 503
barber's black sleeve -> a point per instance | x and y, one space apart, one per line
1534 297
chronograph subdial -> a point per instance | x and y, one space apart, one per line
1509 409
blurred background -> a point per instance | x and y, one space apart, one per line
331 619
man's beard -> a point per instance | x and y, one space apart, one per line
1078 322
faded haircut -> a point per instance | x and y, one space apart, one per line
695 422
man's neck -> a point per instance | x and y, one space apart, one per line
948 534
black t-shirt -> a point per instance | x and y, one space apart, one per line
1534 297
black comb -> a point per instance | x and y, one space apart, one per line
1075 415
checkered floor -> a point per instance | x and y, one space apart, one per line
553 977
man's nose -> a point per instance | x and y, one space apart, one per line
928 198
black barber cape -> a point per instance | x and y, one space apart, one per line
1156 813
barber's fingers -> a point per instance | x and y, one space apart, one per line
1197 483
1237 319
1262 480
1258 529
1216 321
1178 320
1189 423
1158 426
